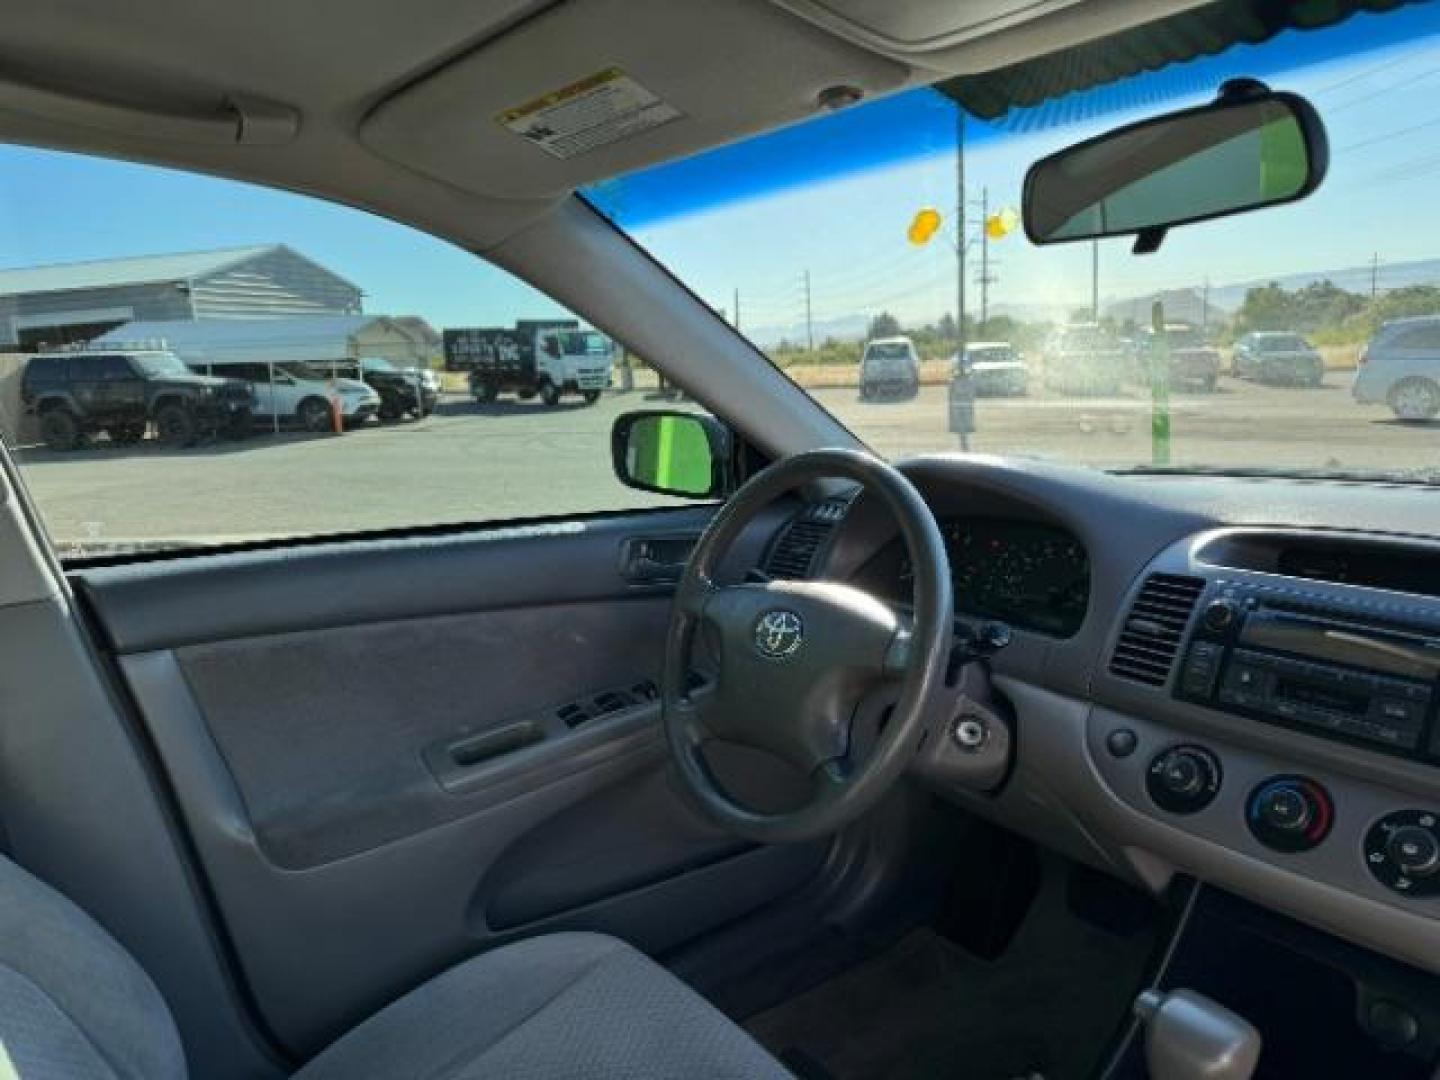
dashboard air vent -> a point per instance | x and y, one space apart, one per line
794 553
1150 638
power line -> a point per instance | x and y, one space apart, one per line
809 316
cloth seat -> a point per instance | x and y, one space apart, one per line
571 1006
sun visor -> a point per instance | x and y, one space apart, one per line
1202 31
595 88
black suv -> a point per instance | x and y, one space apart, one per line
401 390
78 394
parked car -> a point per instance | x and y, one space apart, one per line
294 392
1278 356
119 391
1086 359
1194 362
1400 367
403 391
547 358
995 369
889 368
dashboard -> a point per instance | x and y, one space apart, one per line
1031 575
1233 679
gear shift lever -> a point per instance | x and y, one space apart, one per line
1190 1037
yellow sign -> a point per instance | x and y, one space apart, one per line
923 226
1001 223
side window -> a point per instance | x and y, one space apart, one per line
113 369
218 284
1421 337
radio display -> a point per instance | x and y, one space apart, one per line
1321 696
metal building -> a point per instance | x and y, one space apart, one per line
54 305
408 342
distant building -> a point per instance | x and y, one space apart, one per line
314 338
68 302
1181 306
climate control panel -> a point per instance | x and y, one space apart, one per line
1402 850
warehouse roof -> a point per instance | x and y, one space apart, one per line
307 337
135 269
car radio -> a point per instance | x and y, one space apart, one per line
1294 660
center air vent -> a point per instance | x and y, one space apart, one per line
793 555
1150 639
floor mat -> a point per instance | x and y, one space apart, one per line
927 1008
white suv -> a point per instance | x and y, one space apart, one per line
889 368
1400 367
299 392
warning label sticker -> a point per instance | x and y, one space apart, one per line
594 112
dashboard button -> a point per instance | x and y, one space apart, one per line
1219 616
1121 742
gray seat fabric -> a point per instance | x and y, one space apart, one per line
562 1007
75 1006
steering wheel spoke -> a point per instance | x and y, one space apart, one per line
898 654
693 595
830 780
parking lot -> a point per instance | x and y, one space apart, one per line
468 462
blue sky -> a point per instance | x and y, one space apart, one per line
833 197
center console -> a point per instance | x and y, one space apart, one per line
1276 694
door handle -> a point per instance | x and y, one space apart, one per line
656 560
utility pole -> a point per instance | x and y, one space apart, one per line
960 232
737 309
1374 275
986 278
1205 307
809 316
1095 281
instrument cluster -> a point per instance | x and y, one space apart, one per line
1029 574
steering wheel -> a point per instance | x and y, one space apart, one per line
795 658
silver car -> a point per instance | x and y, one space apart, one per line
1400 367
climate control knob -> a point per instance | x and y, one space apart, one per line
1289 813
1414 850
1183 779
1402 851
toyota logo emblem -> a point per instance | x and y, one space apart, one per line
778 634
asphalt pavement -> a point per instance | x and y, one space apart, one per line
516 460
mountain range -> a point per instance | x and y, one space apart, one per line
1226 297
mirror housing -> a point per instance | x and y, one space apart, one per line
1250 148
672 453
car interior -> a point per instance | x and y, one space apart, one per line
819 760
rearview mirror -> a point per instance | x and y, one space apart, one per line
1248 149
672 453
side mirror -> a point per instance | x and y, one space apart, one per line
1248 149
672 453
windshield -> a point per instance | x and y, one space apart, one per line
899 216
1282 343
893 351
988 354
1184 338
157 364
584 343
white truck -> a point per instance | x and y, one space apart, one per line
545 358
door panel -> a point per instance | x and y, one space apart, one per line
371 746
